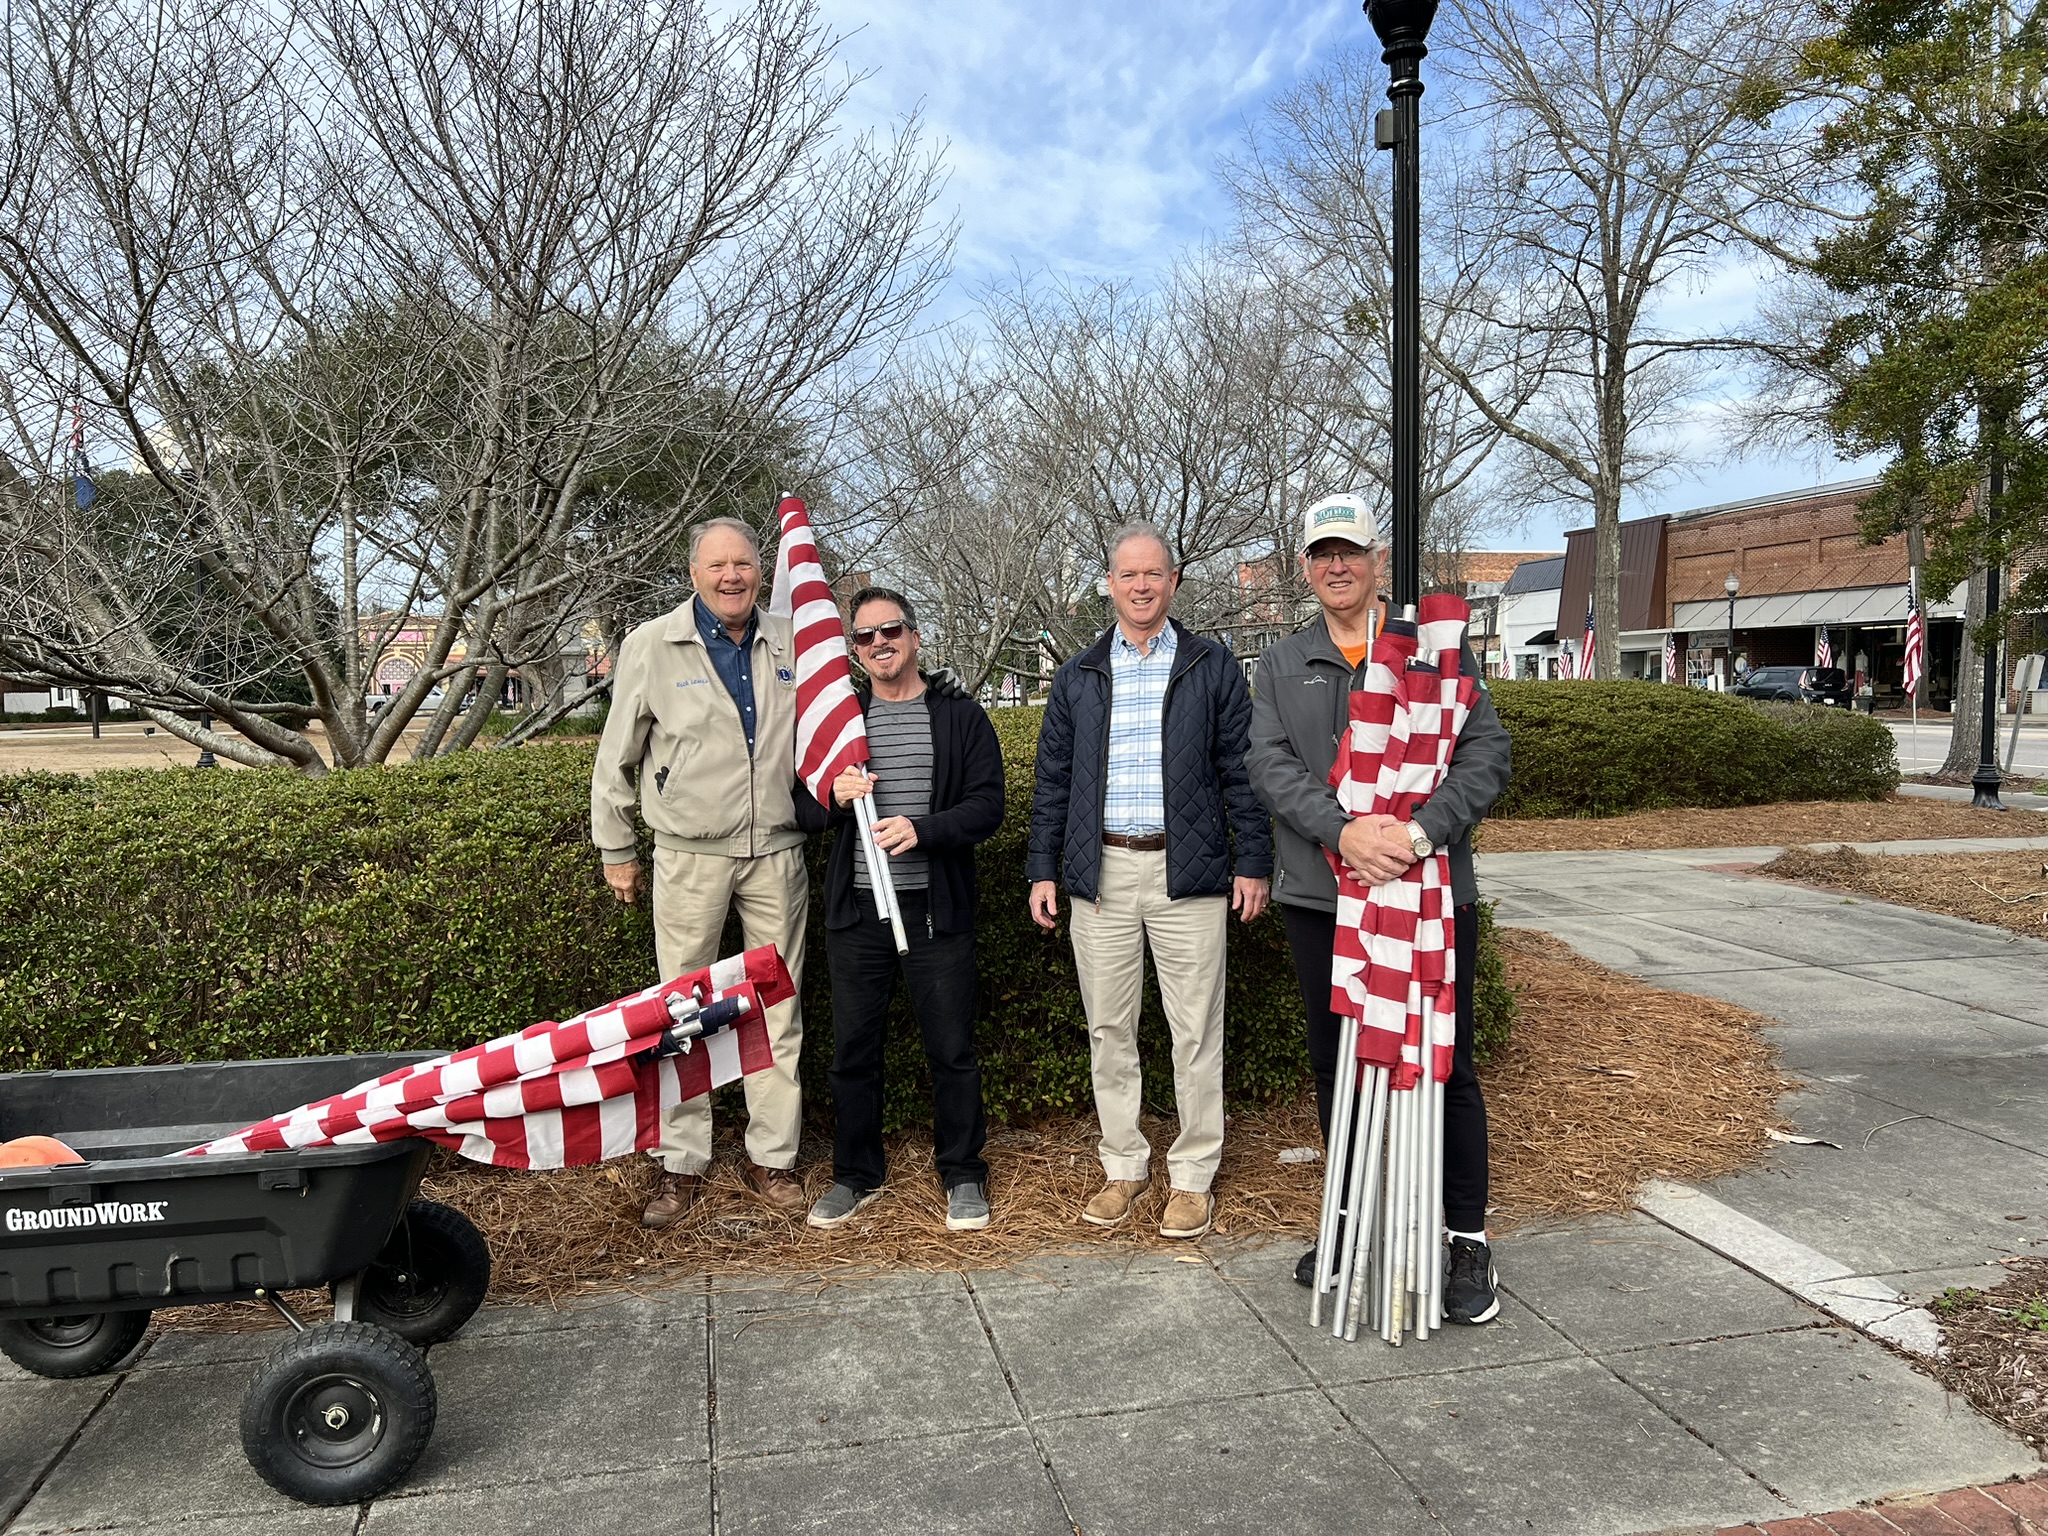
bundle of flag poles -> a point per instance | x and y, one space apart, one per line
1379 1249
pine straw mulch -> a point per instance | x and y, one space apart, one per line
1607 1082
1752 826
2006 890
1997 1349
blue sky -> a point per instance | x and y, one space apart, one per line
1084 138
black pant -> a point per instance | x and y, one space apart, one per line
1312 935
939 969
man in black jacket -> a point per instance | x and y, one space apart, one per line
1302 705
936 774
1140 765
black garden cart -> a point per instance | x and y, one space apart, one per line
340 1410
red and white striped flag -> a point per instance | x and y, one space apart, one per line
831 732
1916 634
1394 969
1586 646
1671 659
1824 653
553 1095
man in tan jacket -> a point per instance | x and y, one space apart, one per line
703 716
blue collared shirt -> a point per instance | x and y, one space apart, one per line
734 661
1134 797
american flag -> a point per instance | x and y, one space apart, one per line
831 733
1586 646
1916 635
553 1095
1394 969
1824 653
1671 658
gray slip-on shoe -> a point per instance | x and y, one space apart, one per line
966 1208
838 1205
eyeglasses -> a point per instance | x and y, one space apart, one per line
867 635
1323 559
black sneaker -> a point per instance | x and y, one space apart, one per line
1468 1295
1305 1270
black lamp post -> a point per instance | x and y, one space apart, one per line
1403 29
1733 585
1986 779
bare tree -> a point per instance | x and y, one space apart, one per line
1624 142
1313 204
443 315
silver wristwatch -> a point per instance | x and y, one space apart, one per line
1419 841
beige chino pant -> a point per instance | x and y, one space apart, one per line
1187 939
692 892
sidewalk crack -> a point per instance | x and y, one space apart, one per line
1052 1475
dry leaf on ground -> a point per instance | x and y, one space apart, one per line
1753 826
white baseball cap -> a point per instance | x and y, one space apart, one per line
1347 517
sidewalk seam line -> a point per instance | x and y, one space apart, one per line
711 1403
1327 1394
1052 1476
70 1440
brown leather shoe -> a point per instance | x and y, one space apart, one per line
1113 1205
1187 1214
673 1197
779 1187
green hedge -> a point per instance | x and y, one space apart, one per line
1602 749
173 915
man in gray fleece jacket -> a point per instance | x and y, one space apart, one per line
1300 706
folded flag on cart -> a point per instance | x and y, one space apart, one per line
553 1095
1394 966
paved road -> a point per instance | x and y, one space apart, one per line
1638 1379
1923 747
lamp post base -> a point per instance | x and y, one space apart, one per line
1985 782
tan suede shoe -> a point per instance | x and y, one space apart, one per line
673 1197
1113 1205
777 1187
1188 1214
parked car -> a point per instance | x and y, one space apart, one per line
1799 685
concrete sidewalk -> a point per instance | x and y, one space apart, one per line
1644 1374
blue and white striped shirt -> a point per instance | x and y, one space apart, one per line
1134 798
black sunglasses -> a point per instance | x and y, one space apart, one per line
867 635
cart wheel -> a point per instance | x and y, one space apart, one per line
339 1413
430 1277
84 1345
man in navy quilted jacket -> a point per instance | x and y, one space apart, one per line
1143 808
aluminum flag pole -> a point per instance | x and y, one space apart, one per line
1336 1161
879 877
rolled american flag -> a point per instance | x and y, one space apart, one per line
554 1095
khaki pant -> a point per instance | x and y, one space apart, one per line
692 892
1187 938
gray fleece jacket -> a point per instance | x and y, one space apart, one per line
1299 709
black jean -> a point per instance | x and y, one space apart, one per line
1312 935
939 970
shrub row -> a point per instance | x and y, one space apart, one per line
1601 749
170 915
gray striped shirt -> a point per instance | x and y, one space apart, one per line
900 758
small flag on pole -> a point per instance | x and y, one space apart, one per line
83 491
1916 635
1671 659
1586 648
1824 653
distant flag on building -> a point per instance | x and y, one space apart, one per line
831 732
1916 635
1671 658
83 491
1586 647
1824 653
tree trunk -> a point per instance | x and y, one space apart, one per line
1606 588
1965 728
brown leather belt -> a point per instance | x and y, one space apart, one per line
1151 842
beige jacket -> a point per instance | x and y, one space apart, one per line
675 728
